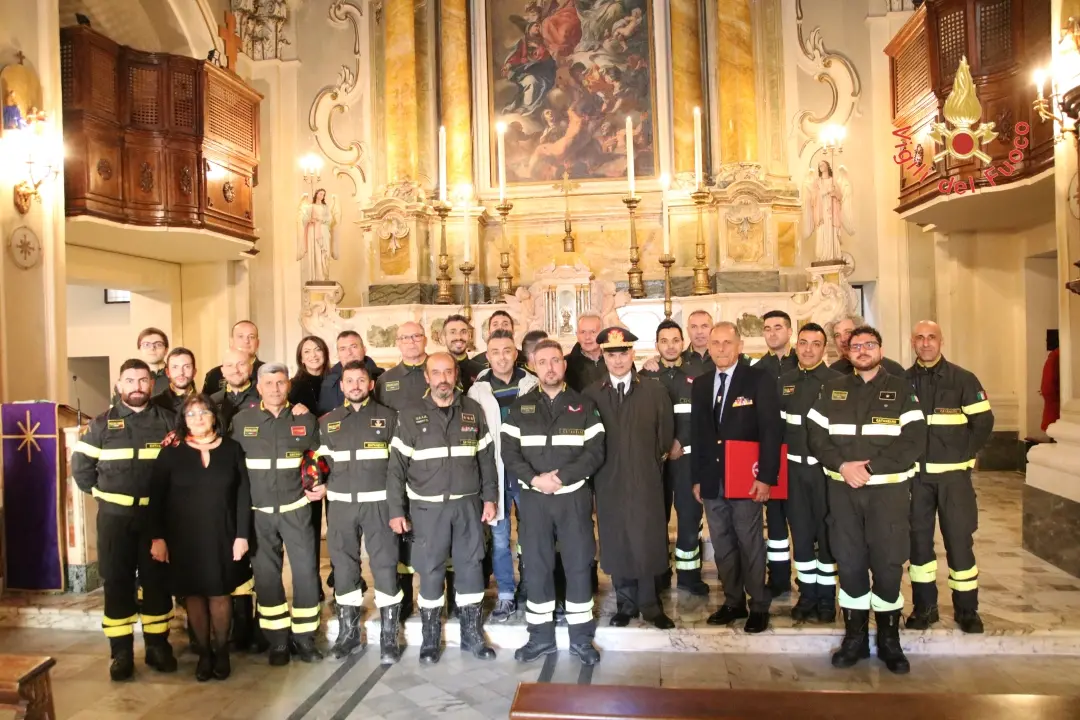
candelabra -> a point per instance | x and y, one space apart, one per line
637 287
1060 108
701 268
506 279
667 261
442 280
467 269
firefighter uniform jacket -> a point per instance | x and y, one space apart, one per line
776 365
356 446
799 390
172 400
440 454
401 385
844 367
697 364
678 381
274 448
879 421
542 434
114 459
958 416
228 402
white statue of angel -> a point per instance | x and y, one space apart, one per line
827 210
317 241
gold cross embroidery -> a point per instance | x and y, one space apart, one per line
28 437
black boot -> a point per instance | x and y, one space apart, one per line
856 643
240 632
472 635
405 582
888 642
535 648
432 628
279 655
349 639
451 605
222 665
259 643
159 653
304 648
922 617
968 620
123 658
826 604
690 581
806 608
204 669
389 648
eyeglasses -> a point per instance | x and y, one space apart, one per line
152 345
197 413
871 345
415 337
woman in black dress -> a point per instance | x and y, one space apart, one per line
202 513
312 364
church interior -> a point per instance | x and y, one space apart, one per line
316 166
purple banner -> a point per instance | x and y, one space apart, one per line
32 497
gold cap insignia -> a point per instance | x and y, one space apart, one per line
962 111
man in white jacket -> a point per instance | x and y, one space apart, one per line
496 389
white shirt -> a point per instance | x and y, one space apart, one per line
624 381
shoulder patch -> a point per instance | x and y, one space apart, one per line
839 394
392 385
528 409
789 390
251 432
116 424
333 427
981 395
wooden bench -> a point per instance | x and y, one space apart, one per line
25 686
597 702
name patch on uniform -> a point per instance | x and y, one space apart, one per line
571 431
574 408
152 446
116 424
298 430
887 395
742 402
468 417
468 442
251 431
392 385
378 422
789 389
333 427
884 421
420 419
839 394
374 445
947 411
290 454
528 409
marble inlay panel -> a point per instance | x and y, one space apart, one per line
748 281
1052 532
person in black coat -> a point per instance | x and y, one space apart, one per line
312 365
735 402
350 347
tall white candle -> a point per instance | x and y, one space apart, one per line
442 164
664 183
698 154
630 154
501 130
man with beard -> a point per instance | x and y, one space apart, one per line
553 443
959 422
499 320
457 332
640 428
239 392
841 332
695 359
442 458
180 369
350 348
807 503
356 440
867 430
585 363
153 344
678 483
113 462
245 338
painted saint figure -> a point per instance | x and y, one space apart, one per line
827 210
317 241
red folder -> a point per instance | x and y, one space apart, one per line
741 470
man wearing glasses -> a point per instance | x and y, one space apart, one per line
153 344
867 432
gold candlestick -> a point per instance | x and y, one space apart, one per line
442 281
667 261
466 269
637 287
506 279
701 268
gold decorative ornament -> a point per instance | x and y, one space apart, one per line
962 111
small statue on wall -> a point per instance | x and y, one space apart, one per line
317 241
827 211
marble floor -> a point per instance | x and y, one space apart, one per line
462 688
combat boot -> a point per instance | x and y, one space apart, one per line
922 617
432 631
888 642
826 604
472 635
349 638
389 649
856 643
123 658
806 608
304 648
159 653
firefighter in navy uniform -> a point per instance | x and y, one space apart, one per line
180 369
276 442
356 447
239 392
678 482
113 462
807 503
959 422
867 431
443 458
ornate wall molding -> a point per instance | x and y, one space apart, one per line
262 26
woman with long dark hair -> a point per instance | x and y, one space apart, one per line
201 510
312 364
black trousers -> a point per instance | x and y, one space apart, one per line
566 519
348 525
869 534
317 510
679 491
778 554
445 529
739 550
949 496
124 563
807 510
276 533
637 595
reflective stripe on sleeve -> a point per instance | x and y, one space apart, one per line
568 440
430 453
593 430
793 419
976 408
935 468
372 454
117 454
484 442
911 416
893 430
533 440
947 419
682 408
119 498
258 463
818 418
511 430
339 455
401 447
87 449
841 429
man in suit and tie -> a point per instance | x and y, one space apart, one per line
735 402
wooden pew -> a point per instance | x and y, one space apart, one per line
25 686
597 702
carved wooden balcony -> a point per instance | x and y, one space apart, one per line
155 139
1004 41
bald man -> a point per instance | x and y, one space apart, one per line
239 392
245 338
959 422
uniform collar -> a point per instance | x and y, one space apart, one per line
877 379
936 367
665 365
238 391
183 393
812 369
413 368
124 411
690 353
632 380
262 407
353 407
431 401
461 358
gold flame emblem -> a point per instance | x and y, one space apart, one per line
962 111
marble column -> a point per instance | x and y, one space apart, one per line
736 82
402 111
455 95
686 79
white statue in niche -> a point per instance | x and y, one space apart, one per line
317 242
827 210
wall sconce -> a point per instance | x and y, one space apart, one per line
1061 108
312 165
41 162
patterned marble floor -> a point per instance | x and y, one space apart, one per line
1029 606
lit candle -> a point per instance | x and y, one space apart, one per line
1040 80
698 156
442 164
630 154
501 130
665 182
